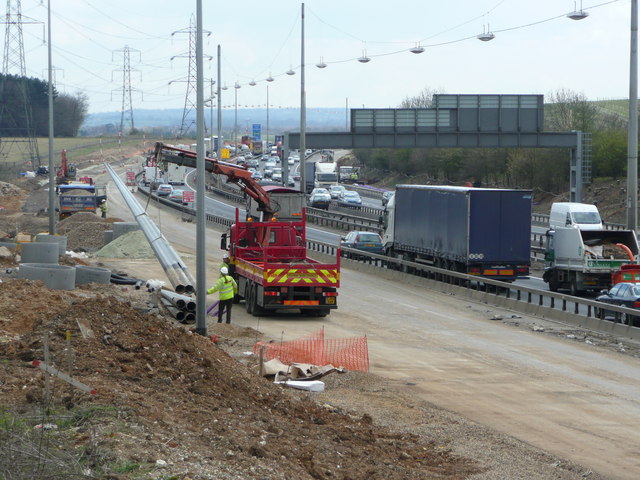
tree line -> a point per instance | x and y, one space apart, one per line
547 169
25 101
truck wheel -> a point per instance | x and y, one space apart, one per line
248 300
553 285
256 310
573 288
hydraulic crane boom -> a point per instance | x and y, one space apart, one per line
234 173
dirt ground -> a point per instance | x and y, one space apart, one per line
170 404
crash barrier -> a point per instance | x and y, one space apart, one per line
368 191
39 253
370 212
350 353
57 277
577 311
342 221
60 240
86 274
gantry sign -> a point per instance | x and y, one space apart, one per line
456 121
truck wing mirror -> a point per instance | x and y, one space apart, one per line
223 241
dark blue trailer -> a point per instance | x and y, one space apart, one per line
479 231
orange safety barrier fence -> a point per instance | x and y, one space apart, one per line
350 353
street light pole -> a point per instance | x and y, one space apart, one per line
201 273
267 116
632 145
303 110
52 178
218 150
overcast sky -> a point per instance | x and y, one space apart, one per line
532 52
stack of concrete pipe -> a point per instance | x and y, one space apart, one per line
39 261
181 307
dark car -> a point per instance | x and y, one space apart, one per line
367 241
320 198
624 295
350 198
164 190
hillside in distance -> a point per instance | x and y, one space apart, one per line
280 119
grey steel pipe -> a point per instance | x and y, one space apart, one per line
181 301
176 271
176 313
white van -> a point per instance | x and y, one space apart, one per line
582 216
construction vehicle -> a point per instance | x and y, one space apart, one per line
67 171
79 197
268 255
477 231
581 260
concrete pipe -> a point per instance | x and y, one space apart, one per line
60 240
86 274
122 228
40 252
58 277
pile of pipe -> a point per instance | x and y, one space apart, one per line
181 307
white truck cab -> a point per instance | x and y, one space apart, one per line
582 216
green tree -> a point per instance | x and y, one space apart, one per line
609 157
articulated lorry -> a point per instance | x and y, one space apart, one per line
477 231
580 260
268 255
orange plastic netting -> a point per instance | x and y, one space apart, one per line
350 353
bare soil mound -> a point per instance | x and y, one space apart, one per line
182 400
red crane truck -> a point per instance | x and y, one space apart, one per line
269 257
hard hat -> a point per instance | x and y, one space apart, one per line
226 255
224 270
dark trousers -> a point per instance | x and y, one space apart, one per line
225 305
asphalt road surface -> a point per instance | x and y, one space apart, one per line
574 399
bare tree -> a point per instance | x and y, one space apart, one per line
424 99
568 110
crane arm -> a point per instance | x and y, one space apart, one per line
234 173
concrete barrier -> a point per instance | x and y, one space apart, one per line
108 236
40 252
58 277
87 274
60 240
9 245
122 228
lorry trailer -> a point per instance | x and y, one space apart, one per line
477 231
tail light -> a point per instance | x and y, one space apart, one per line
271 294
636 304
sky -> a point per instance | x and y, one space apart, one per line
536 49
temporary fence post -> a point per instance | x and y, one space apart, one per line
261 360
70 364
47 360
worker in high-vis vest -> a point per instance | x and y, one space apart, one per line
227 287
